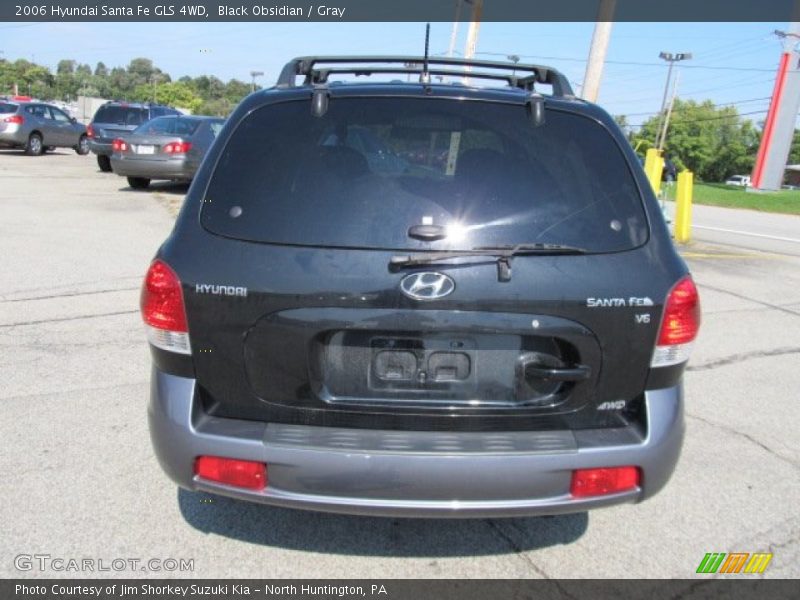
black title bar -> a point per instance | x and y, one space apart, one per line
734 588
395 10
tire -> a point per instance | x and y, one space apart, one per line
104 163
83 146
34 147
138 183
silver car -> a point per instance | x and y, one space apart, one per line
170 148
37 127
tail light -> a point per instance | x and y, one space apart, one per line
120 145
163 310
14 120
89 131
600 482
177 148
239 473
679 325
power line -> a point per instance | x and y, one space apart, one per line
633 63
717 118
684 93
721 104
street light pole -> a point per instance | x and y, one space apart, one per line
671 59
255 74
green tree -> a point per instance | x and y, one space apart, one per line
794 151
711 141
173 94
65 67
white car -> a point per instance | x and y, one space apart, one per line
740 180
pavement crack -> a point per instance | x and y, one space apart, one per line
748 437
749 299
70 294
737 358
519 551
77 318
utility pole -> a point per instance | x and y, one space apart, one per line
671 59
474 28
663 137
154 78
454 32
255 74
472 33
776 139
597 52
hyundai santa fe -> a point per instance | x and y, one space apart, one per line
482 315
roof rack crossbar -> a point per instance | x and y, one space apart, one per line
320 76
304 66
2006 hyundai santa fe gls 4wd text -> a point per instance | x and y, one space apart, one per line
420 298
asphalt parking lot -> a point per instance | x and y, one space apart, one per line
80 479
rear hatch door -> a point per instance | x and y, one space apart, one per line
298 314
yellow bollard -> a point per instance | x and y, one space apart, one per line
683 207
653 166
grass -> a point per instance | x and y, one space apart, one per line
718 194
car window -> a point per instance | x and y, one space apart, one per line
479 169
185 126
120 115
37 110
59 115
6 108
216 127
159 126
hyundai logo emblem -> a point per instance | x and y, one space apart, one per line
427 286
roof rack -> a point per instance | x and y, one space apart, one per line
370 65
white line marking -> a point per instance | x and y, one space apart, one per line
758 235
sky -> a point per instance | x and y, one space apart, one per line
733 63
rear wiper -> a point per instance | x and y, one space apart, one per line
504 255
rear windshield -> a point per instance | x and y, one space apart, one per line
169 126
5 108
370 169
121 115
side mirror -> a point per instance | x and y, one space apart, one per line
73 120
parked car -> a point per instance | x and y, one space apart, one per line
738 180
169 148
37 127
504 334
116 119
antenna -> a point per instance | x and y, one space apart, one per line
425 76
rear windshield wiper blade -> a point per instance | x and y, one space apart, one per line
503 254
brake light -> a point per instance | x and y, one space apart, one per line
679 325
177 148
14 119
120 145
163 310
239 473
600 482
89 131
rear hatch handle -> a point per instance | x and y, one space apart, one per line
533 368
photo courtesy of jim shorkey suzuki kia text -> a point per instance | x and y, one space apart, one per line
122 590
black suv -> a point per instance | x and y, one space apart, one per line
422 299
114 119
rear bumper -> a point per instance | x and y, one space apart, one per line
415 474
101 148
177 168
13 137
